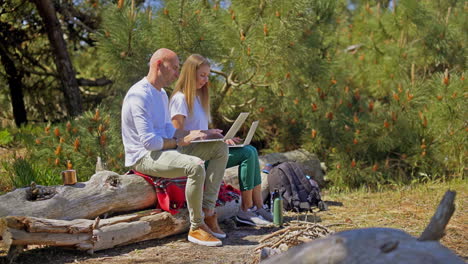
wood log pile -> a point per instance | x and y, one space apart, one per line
73 216
296 233
91 235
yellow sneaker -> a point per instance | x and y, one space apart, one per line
212 223
201 237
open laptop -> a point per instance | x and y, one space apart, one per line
249 137
232 131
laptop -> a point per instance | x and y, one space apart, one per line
232 131
249 137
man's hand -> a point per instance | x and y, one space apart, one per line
233 141
193 135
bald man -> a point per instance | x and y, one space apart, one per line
154 147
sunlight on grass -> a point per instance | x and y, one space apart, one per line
409 208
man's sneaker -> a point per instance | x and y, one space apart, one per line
265 214
202 237
212 223
250 218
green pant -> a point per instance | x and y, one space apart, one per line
249 167
189 161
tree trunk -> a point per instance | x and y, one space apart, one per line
15 83
98 234
105 192
62 59
91 235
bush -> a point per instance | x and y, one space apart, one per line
74 144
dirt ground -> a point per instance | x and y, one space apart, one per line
407 208
238 247
346 211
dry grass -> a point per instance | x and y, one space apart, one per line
408 208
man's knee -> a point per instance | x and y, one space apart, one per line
195 167
221 148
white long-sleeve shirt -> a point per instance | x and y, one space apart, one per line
145 121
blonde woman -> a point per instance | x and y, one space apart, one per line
190 109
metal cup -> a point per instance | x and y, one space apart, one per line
68 177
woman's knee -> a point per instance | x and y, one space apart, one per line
251 152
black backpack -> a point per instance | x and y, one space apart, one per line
299 191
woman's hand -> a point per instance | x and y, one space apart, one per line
233 141
213 133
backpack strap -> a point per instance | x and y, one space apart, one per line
294 199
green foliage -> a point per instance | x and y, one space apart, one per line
75 144
390 115
378 93
5 137
22 173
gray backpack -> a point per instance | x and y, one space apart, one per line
299 191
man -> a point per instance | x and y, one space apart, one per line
154 147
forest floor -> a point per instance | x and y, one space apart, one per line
407 207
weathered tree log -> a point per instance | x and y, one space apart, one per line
108 192
377 245
435 230
105 192
309 162
93 235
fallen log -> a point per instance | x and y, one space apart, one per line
98 234
105 192
108 192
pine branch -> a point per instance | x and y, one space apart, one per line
97 82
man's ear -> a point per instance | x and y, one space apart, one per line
158 62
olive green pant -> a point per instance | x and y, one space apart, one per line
202 186
249 167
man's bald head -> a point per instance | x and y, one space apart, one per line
164 68
162 54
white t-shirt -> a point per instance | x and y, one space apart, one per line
198 120
145 121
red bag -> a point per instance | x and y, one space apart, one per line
170 192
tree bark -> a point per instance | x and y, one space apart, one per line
99 234
15 83
62 59
91 235
435 230
105 192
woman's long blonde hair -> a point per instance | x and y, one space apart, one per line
187 84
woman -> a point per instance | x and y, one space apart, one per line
190 110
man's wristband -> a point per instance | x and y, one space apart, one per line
176 142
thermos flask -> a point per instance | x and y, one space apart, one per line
277 209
